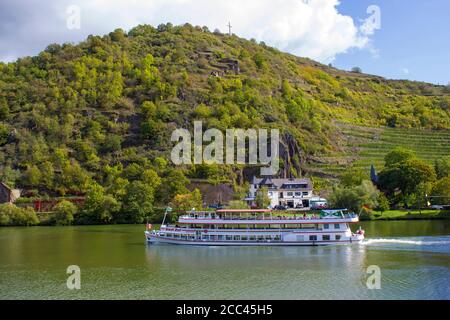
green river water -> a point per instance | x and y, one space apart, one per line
116 263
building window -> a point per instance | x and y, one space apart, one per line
312 238
337 226
326 238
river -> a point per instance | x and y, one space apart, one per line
115 262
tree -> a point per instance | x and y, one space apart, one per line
188 201
398 155
262 198
383 203
442 167
64 213
99 207
356 70
405 177
352 177
174 183
151 178
442 191
11 215
32 176
356 198
137 203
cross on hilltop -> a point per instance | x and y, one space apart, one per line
229 28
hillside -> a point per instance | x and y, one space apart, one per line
75 112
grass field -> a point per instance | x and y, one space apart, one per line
362 147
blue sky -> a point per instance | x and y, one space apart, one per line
412 42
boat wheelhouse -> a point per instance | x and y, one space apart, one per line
259 228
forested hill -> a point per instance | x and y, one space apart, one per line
104 109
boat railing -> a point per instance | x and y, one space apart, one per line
270 218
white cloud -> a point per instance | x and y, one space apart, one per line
312 28
405 70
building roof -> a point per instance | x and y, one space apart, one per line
283 183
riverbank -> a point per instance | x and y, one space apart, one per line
395 215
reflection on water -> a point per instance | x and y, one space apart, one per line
116 263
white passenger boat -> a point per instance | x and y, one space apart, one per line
259 228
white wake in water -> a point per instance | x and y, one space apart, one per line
407 242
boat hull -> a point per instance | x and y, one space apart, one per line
155 239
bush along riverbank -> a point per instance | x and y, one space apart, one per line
65 214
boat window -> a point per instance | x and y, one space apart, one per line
326 226
337 226
300 238
312 238
229 238
237 238
244 238
252 238
326 238
298 194
338 237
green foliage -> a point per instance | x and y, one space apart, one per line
101 112
174 183
406 179
99 207
442 191
11 215
398 155
442 167
188 201
383 203
64 213
4 133
237 204
357 198
352 177
262 198
137 203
